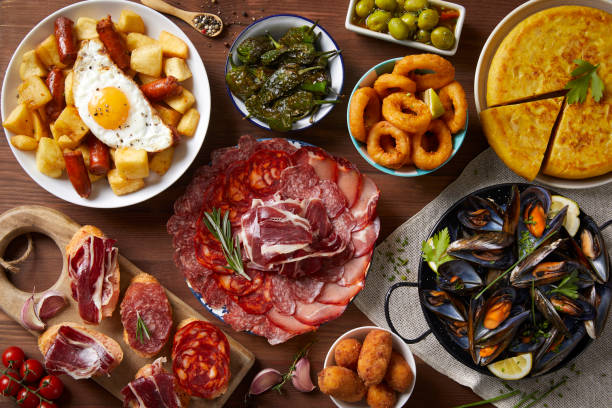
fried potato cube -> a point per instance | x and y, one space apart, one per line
23 142
161 161
132 163
182 102
145 79
136 40
177 67
189 123
168 115
112 151
121 185
374 357
49 158
34 92
69 123
173 46
20 121
85 28
130 22
49 55
68 93
346 353
65 142
41 129
86 158
147 59
399 375
31 66
341 383
380 396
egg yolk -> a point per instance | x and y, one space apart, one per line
109 107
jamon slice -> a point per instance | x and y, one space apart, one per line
364 240
364 209
288 323
316 313
324 165
355 270
349 181
335 294
154 387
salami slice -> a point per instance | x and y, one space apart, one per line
306 289
145 300
201 359
282 297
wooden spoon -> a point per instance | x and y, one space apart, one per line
191 18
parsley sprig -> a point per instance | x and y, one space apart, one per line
568 286
221 229
436 251
141 329
289 374
584 75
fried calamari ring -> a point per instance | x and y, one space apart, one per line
444 72
429 160
385 153
364 112
452 97
386 84
414 121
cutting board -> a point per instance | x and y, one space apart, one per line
60 228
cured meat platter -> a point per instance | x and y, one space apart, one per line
60 229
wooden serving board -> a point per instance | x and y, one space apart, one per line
60 228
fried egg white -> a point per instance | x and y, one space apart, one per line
112 105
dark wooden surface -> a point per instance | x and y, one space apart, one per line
141 231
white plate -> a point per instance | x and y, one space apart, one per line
399 346
408 43
184 154
484 62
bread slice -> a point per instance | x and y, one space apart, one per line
142 278
519 133
48 337
75 243
148 370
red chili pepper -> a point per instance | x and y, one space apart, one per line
449 14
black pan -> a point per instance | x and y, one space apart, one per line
500 193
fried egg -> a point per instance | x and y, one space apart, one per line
112 105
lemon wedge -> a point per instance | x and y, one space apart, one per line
572 221
431 99
513 368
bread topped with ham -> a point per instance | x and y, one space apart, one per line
94 273
78 351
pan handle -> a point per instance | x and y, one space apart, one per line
605 225
388 316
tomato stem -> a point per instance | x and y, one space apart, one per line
23 385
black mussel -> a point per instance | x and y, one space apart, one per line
512 214
557 347
529 339
480 214
488 249
548 311
521 274
459 277
579 308
458 332
550 271
600 297
443 304
594 249
499 318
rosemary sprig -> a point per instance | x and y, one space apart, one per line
141 329
287 376
221 229
498 398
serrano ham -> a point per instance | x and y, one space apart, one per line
94 274
154 387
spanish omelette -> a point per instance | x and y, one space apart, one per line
519 133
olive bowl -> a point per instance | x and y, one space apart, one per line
276 25
368 79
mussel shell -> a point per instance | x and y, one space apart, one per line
508 328
579 308
483 241
531 260
601 260
519 345
512 214
459 277
547 358
507 294
444 304
526 241
458 331
548 272
549 312
480 214
600 297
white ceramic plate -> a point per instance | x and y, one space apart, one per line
398 345
277 25
184 154
484 62
408 43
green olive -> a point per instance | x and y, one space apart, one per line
388 5
428 19
414 5
442 38
398 29
378 20
410 20
364 8
423 36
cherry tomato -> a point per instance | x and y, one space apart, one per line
8 385
45 404
50 387
13 357
25 399
31 370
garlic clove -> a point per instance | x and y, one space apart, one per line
29 319
49 304
301 376
264 380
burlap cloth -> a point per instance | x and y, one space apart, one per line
590 377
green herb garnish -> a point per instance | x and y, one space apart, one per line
221 229
437 254
568 286
287 376
141 329
584 75
498 398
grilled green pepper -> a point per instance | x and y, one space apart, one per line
296 35
252 48
242 82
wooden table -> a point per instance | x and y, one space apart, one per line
141 229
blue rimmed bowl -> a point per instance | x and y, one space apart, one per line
277 25
368 79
